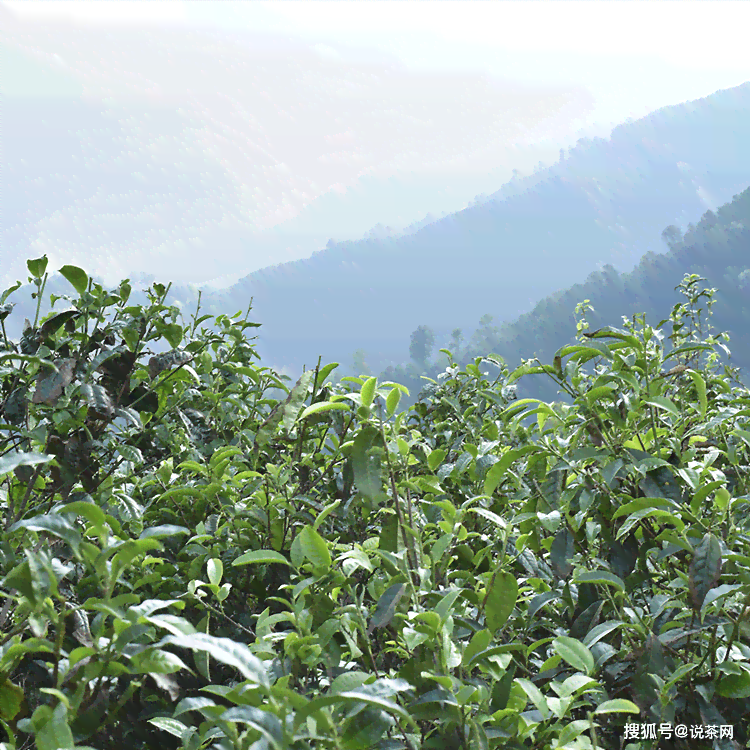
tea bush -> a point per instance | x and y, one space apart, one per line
189 561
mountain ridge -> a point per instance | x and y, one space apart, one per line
606 201
366 264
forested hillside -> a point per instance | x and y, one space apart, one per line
604 204
606 201
717 249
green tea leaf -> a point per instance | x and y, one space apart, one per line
602 577
435 458
353 697
315 548
37 267
215 570
225 650
734 686
535 695
700 389
14 459
367 391
618 705
391 403
479 642
260 556
51 729
500 600
77 277
366 462
705 569
497 471
575 653
662 402
11 698
323 406
386 606
54 524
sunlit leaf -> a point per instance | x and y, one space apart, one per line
76 276
500 599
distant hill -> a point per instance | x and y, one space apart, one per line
605 202
717 249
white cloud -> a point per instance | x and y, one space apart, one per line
327 52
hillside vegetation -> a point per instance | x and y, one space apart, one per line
604 201
715 249
189 562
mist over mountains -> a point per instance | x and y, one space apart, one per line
203 156
606 201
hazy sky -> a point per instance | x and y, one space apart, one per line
311 120
645 54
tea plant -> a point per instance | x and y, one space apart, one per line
189 561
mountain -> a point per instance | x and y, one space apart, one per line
210 155
605 202
716 249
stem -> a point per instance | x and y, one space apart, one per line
408 539
30 486
39 292
226 617
59 642
736 629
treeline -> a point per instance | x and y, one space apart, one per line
715 249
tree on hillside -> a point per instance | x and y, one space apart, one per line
358 361
420 348
671 235
457 337
486 337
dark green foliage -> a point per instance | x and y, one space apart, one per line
420 348
716 250
249 563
